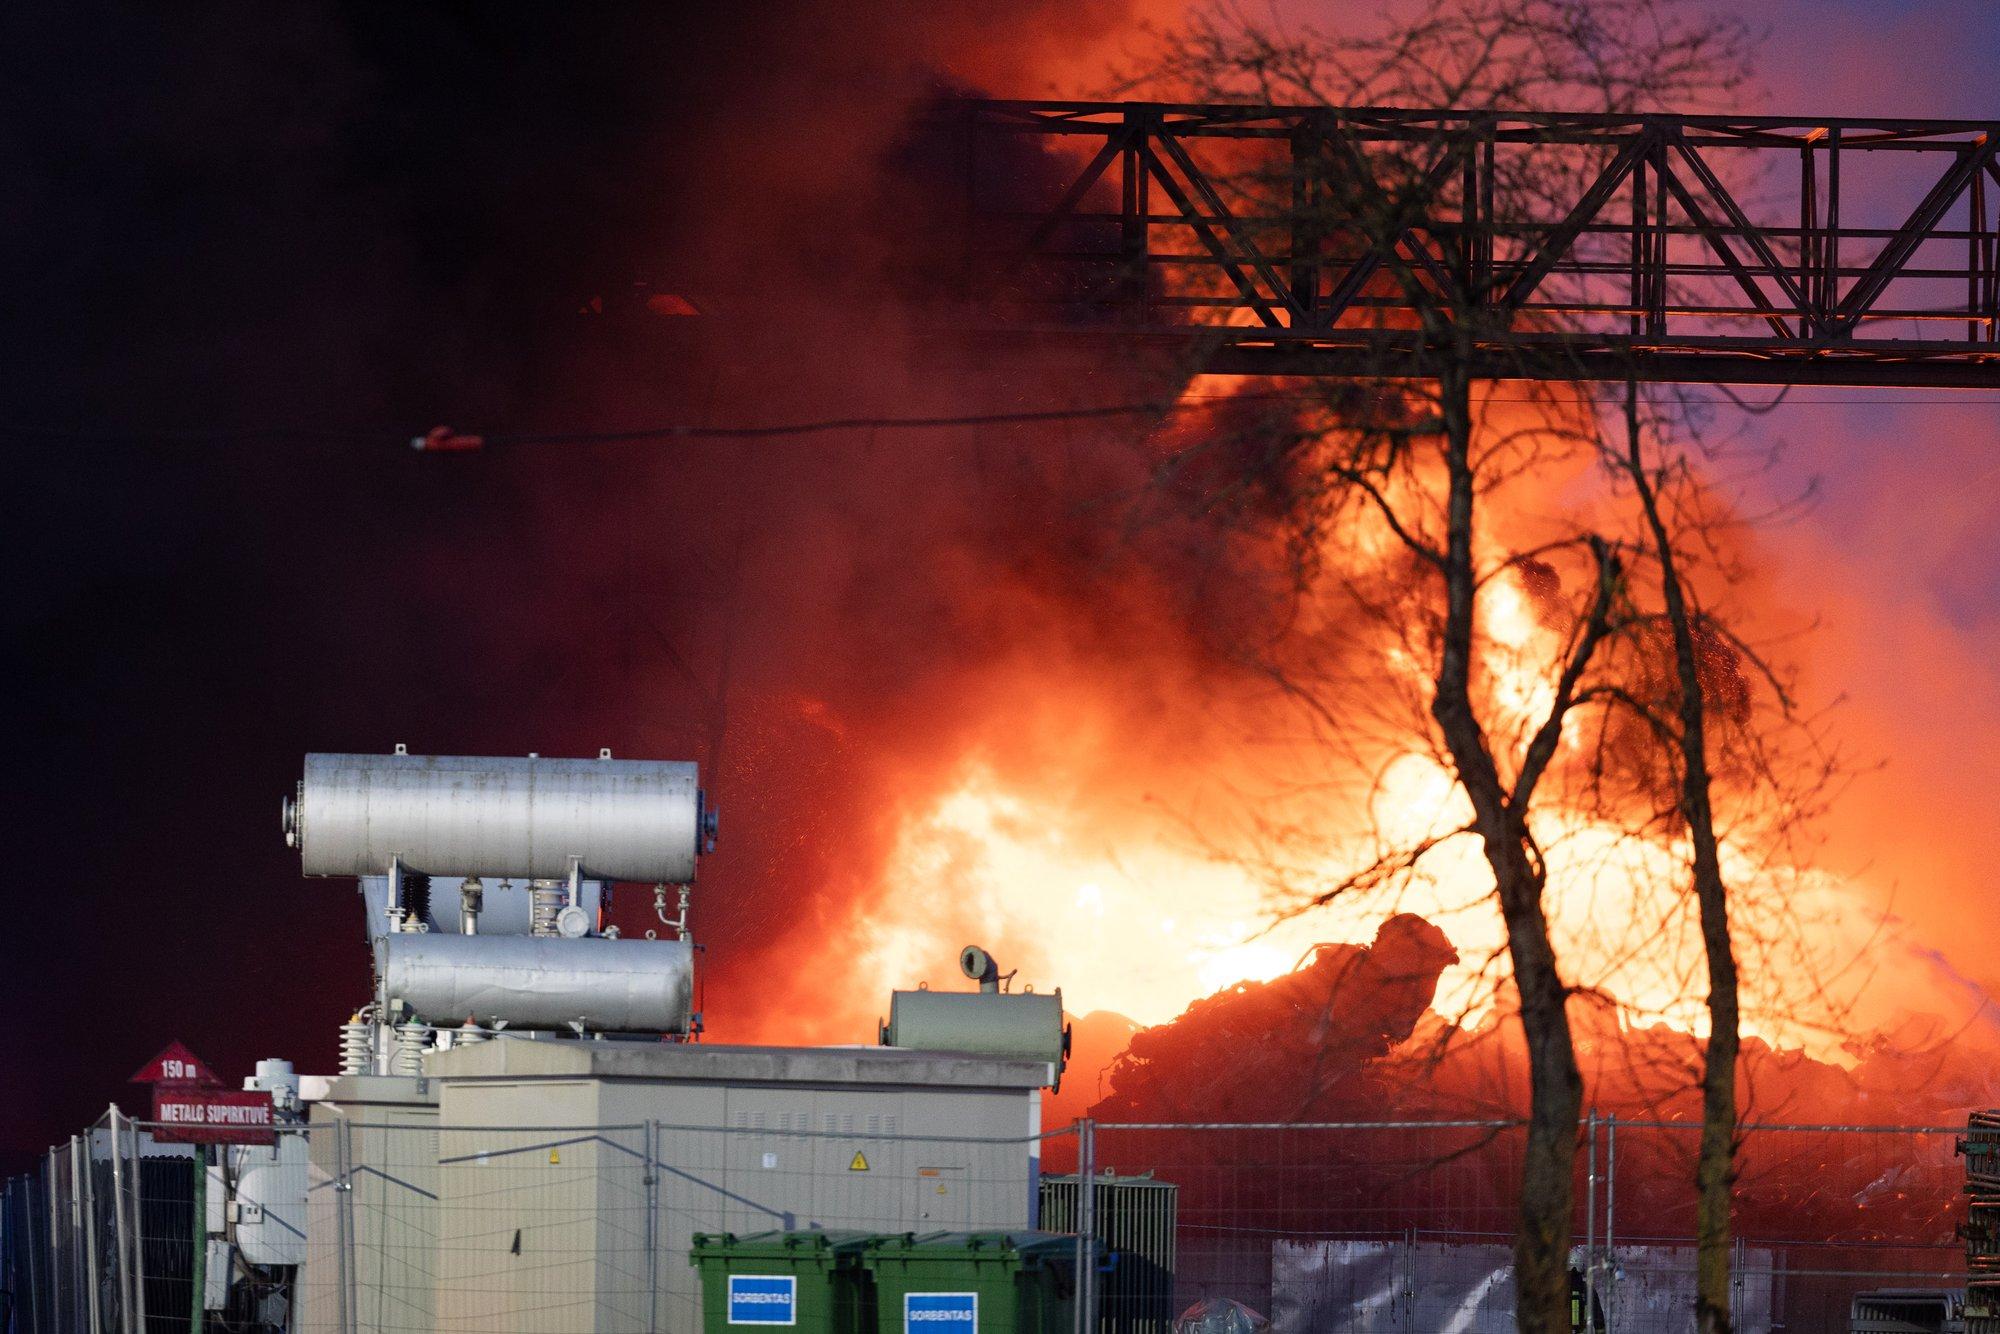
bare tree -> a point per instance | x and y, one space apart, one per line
1412 458
1668 498
1715 1160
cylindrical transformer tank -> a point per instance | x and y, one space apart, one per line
1019 1025
606 986
507 816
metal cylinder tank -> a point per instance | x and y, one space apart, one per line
606 986
1023 1025
506 816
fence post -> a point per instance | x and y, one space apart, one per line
83 1192
198 1305
652 1184
66 1238
1590 1257
1086 1226
343 1205
1410 1280
38 1290
55 1322
121 1237
136 1233
1611 1222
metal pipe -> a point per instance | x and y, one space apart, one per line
394 907
678 923
978 965
504 907
471 898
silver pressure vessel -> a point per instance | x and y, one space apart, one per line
606 986
505 816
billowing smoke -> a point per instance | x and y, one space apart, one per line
957 684
958 691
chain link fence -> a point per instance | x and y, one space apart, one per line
101 1237
1350 1228
1371 1227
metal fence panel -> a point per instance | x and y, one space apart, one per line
1358 1228
1466 1288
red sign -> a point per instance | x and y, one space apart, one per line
176 1065
183 1114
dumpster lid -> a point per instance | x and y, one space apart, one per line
779 1242
1023 1246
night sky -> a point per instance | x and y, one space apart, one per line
250 249
240 217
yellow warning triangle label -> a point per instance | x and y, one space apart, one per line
860 1163
555 1155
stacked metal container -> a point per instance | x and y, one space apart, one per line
1981 1150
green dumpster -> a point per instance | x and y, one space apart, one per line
974 1282
808 1281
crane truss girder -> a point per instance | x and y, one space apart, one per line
1368 241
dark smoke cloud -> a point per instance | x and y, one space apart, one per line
249 216
388 217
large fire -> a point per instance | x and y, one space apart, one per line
1068 833
1130 908
1114 807
974 703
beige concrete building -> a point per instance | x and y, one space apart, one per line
558 1183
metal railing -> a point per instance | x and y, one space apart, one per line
1408 1226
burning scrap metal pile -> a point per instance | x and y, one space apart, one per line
1350 1037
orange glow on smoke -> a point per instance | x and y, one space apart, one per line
1116 879
1142 925
1011 748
